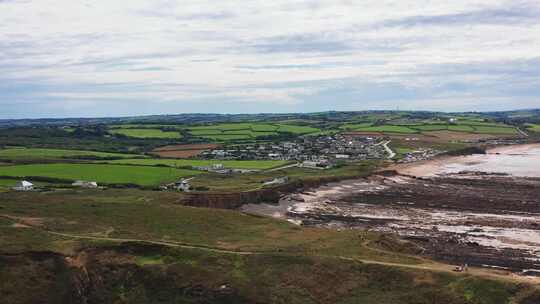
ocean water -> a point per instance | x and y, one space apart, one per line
518 161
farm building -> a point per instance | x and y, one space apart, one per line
85 184
323 164
24 186
276 181
183 185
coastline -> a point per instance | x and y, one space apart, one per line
431 167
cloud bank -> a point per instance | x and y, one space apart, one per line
106 58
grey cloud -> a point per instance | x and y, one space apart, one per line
513 15
307 43
288 66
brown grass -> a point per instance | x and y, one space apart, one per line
178 154
432 136
183 151
186 147
459 136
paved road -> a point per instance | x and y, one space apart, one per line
391 153
522 132
284 167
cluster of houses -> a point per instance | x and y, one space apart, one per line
181 185
220 168
312 151
419 155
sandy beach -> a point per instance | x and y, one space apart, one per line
518 160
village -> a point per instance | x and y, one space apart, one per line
312 151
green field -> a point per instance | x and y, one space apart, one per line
246 131
146 133
145 126
102 173
233 164
429 127
299 130
480 122
227 137
157 215
282 262
467 126
461 128
206 132
533 127
42 154
7 183
355 126
495 130
388 129
237 126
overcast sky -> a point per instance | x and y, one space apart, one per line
61 58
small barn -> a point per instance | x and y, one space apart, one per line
24 186
183 185
276 181
85 184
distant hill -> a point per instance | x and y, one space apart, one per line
532 115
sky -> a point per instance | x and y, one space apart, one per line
96 58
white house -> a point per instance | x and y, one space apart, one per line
183 185
276 181
217 166
85 184
24 186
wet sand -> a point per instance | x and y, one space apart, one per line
518 160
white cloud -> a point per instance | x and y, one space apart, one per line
258 50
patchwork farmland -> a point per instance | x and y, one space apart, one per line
146 133
184 163
473 127
59 154
248 131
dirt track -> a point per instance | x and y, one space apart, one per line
426 265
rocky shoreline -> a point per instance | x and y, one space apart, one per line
479 218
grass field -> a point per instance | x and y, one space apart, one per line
253 181
146 133
150 215
533 127
7 183
145 126
495 130
40 154
355 126
291 264
480 122
388 129
227 137
233 164
461 128
465 126
297 129
102 173
429 127
247 131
